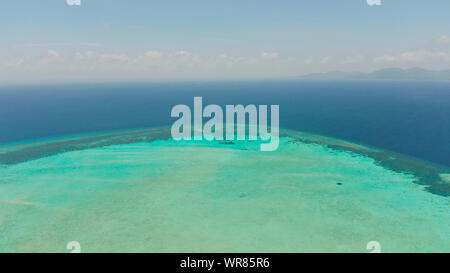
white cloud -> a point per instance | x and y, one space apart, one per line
12 63
271 55
326 60
444 39
445 56
153 54
52 53
354 60
229 61
384 59
374 2
435 60
182 53
420 56
37 45
92 65
308 60
101 57
114 57
155 65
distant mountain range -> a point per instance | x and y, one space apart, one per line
384 74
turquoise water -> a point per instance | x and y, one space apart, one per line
168 196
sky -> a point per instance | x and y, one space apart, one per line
50 41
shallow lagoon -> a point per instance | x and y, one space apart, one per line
140 191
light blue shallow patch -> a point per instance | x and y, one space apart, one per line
167 196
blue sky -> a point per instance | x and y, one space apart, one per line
107 40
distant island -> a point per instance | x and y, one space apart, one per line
384 74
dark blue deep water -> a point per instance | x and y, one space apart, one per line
412 118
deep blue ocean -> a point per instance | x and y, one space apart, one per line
411 118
